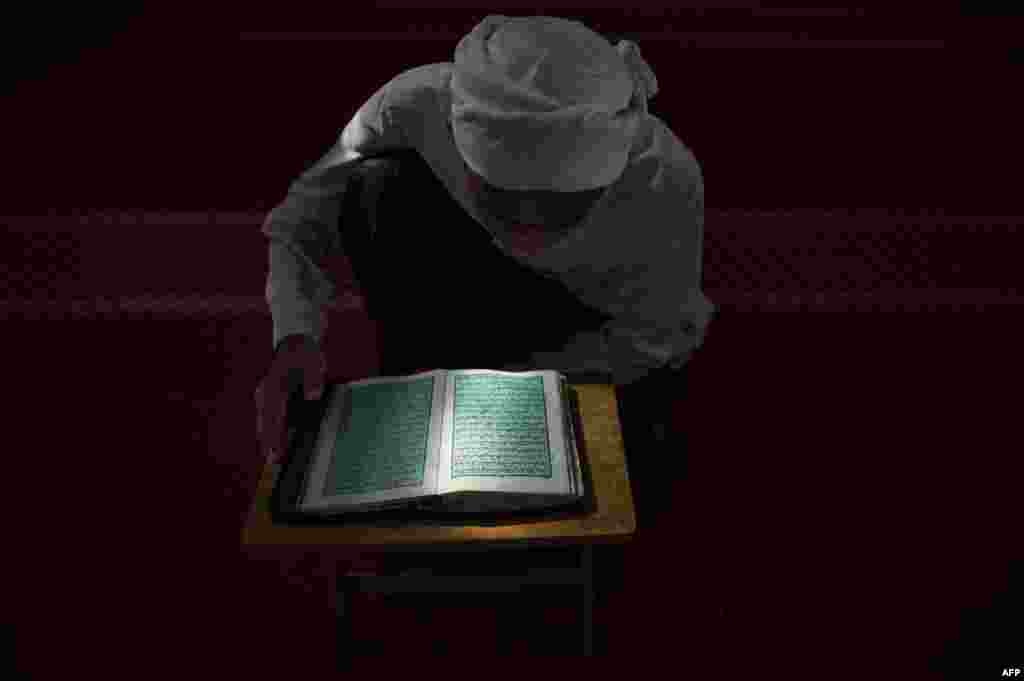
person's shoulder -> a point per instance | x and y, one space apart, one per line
678 158
418 86
661 161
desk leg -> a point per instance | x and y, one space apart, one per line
343 624
587 578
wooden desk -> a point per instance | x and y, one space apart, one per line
612 521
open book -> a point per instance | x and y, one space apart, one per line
458 441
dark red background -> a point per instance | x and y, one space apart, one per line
851 504
188 109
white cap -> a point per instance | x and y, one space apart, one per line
542 103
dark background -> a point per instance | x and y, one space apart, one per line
188 109
852 502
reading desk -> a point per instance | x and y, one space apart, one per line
609 518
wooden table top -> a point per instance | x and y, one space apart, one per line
611 521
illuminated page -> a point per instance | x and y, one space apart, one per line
379 442
506 433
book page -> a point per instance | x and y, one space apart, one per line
379 442
505 432
576 483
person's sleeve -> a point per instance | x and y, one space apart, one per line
661 313
304 228
303 234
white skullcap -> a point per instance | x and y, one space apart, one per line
542 103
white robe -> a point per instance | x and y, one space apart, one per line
637 256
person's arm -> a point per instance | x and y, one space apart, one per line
303 228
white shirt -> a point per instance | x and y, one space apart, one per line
636 257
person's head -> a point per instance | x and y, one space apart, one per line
544 111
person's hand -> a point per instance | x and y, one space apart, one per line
298 360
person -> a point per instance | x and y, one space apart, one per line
539 217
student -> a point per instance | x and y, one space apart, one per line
527 212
